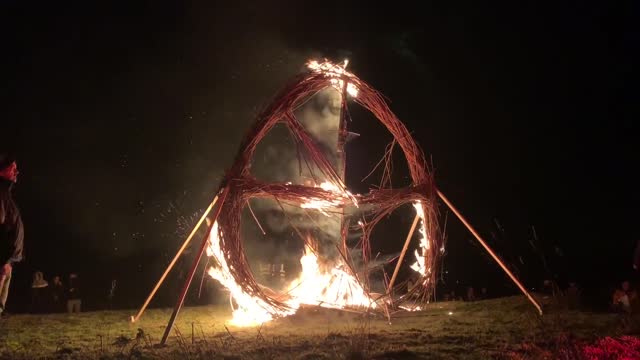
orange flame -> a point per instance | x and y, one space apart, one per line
250 310
421 256
335 288
336 72
331 288
324 204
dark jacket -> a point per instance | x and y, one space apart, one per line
11 229
73 290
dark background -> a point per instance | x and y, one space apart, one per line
124 119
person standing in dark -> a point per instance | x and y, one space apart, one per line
39 289
471 295
57 295
112 293
573 296
11 228
74 301
483 294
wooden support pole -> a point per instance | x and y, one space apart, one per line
175 258
342 166
404 251
194 267
486 247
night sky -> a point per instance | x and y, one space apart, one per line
124 119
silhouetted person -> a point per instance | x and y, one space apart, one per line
624 298
112 293
39 288
483 294
278 274
74 301
471 296
551 288
57 295
11 228
573 296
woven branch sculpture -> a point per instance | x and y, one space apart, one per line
231 266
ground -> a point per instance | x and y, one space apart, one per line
506 328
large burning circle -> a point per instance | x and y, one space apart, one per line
318 191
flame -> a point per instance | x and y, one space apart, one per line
421 256
331 288
336 72
335 288
411 308
250 310
324 204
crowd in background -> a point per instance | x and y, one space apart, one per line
624 298
55 296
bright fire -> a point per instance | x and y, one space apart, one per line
250 310
336 72
331 287
421 256
335 288
323 204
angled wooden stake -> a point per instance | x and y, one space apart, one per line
175 258
486 247
194 267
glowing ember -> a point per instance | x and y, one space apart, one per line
421 257
324 204
330 69
337 72
329 186
411 308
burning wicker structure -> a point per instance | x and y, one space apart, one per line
240 186
328 194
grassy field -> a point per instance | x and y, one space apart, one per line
506 328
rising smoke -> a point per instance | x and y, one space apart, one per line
277 159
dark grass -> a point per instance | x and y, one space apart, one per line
499 328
